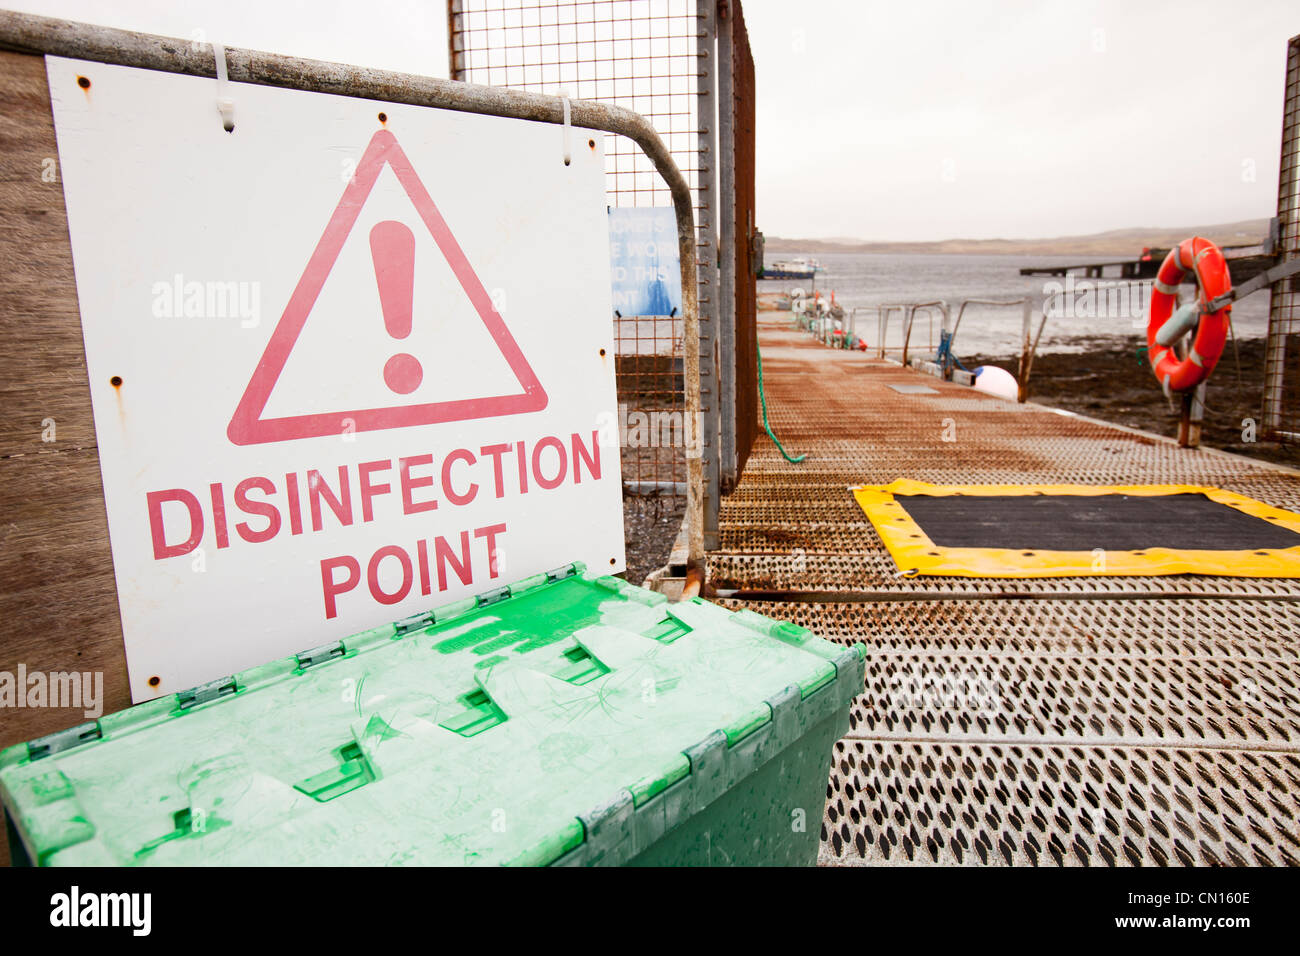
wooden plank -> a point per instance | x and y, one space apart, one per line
45 362
58 600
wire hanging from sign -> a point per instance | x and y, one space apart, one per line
225 102
568 154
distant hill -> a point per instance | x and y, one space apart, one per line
1115 242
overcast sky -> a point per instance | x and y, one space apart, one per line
918 119
929 120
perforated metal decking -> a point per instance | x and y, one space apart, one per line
1062 721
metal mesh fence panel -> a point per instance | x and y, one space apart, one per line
643 55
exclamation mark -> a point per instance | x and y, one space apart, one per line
392 247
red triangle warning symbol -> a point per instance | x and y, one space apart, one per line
247 427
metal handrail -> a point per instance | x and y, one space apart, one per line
1029 339
965 302
882 324
27 33
909 310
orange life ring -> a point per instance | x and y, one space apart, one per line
1203 258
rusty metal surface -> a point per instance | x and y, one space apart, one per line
1115 626
1067 721
746 264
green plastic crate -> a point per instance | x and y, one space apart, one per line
566 719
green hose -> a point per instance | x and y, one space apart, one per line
763 398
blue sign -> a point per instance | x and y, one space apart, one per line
644 263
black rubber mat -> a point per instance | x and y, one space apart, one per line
1184 522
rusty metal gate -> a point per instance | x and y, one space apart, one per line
686 66
645 57
1282 363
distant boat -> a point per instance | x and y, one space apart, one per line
792 269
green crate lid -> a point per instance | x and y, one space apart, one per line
499 729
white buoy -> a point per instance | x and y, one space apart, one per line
997 381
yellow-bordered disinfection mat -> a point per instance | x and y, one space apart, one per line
1045 531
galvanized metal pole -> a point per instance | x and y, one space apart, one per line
1189 422
910 315
1279 422
727 257
1026 348
25 33
707 257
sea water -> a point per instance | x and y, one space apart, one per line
1114 310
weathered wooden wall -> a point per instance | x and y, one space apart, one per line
58 601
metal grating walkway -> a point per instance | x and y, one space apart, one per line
1065 721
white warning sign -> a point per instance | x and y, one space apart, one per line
348 361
